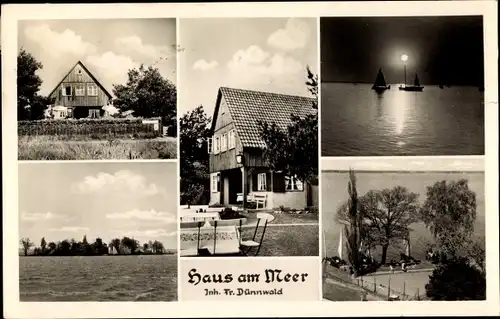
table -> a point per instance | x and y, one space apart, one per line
199 217
222 240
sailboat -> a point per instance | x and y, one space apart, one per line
416 87
380 86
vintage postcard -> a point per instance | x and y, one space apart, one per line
272 159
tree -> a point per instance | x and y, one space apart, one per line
27 244
352 230
116 244
456 280
294 150
145 246
148 94
194 157
130 243
30 105
388 213
43 245
449 212
158 247
312 85
52 247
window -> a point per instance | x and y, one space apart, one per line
79 74
224 142
261 182
94 113
209 145
217 145
232 140
215 183
80 90
67 90
293 184
91 90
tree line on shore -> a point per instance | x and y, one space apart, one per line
124 246
381 218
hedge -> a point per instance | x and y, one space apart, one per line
90 127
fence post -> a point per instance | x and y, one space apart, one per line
375 284
361 281
418 293
404 287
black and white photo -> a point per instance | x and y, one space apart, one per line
404 229
98 232
402 86
88 94
248 137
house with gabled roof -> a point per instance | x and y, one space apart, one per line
80 93
238 171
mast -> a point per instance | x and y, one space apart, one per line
405 74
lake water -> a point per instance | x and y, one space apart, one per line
356 121
334 194
98 278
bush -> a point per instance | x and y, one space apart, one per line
216 205
456 280
251 205
229 213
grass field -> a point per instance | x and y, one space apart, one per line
290 240
52 148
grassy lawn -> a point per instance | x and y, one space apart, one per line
300 240
288 218
51 148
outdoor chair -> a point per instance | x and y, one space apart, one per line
248 245
225 228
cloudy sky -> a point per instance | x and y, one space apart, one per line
107 200
109 48
268 54
434 163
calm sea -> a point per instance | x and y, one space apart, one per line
98 278
356 121
334 194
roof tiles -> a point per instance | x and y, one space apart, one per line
247 107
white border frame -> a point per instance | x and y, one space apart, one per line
13 13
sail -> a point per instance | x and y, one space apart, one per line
341 246
407 247
380 80
417 82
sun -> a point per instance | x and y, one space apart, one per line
404 58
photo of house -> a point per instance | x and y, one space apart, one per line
248 135
238 170
84 94
80 94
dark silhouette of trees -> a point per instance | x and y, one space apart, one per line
27 244
43 245
124 246
456 280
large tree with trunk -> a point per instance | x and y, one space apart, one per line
384 216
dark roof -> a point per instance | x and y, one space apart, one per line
91 74
247 107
